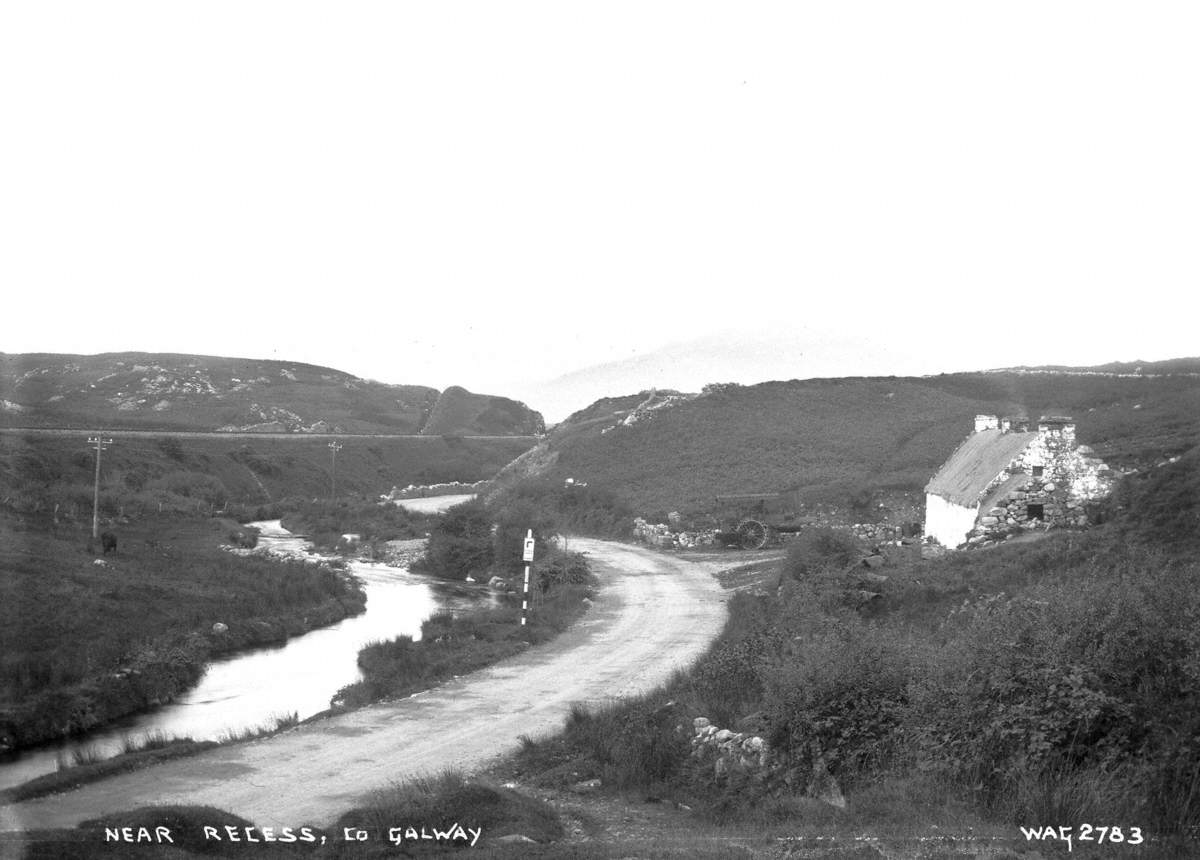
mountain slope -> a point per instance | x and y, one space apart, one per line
835 438
164 391
459 411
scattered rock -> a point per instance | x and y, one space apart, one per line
588 786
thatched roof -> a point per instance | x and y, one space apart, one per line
976 463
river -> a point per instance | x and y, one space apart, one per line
253 688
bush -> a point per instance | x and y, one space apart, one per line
822 550
841 696
460 543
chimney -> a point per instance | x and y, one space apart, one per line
1062 426
986 422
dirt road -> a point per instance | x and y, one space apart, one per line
655 613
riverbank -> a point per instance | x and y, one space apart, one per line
86 641
653 616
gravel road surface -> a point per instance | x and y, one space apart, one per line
654 614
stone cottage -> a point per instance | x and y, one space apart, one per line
1005 478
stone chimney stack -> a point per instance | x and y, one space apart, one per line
1058 427
986 422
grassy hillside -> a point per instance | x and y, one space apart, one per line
164 391
82 644
197 474
835 438
459 411
1056 680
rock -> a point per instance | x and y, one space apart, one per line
701 722
874 561
587 786
100 563
723 735
219 627
497 582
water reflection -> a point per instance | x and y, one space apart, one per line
254 688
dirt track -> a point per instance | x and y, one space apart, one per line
655 613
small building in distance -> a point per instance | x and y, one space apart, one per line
1006 478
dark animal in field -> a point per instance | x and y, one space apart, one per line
108 540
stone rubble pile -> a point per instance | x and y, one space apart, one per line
662 535
737 753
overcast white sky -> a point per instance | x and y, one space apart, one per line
492 194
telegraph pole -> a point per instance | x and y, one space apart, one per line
334 447
101 443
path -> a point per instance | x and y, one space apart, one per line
655 613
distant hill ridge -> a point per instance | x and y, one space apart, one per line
168 391
845 439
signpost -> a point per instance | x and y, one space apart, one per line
527 557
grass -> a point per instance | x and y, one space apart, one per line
143 475
835 438
277 724
1049 682
86 769
81 644
439 802
452 645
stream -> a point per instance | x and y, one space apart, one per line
253 688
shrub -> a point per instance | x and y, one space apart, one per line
821 550
841 696
460 543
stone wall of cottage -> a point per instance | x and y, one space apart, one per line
1071 477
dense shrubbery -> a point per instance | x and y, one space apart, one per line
326 522
460 543
820 550
573 508
1058 680
481 538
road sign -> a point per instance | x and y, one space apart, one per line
528 554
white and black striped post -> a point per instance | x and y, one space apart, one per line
527 557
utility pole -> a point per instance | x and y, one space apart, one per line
334 447
101 443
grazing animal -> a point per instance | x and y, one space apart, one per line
108 540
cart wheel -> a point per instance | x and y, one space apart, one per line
752 534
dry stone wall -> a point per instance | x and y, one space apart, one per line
731 754
1061 479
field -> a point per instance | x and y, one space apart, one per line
82 644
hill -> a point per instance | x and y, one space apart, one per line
145 473
163 391
838 438
459 411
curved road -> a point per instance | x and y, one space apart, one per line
655 614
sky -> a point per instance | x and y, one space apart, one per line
501 195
